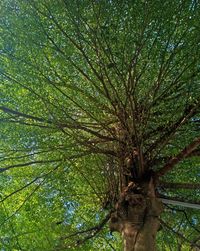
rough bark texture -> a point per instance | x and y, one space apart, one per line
136 217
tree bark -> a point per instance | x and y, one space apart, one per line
137 217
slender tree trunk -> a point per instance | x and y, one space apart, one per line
136 218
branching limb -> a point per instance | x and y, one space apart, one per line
172 185
90 233
175 160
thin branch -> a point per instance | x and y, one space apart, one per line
90 232
180 235
28 184
186 216
30 195
71 125
23 203
3 169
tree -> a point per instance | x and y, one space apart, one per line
100 122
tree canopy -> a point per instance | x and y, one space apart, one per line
96 95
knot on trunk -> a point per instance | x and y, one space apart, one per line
130 211
134 209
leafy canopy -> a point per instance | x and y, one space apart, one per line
78 79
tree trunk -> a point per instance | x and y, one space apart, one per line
141 238
136 217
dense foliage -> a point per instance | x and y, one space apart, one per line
77 79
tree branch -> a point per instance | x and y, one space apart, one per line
179 157
3 169
75 125
170 131
90 232
172 185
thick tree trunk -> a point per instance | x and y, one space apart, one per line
141 237
136 218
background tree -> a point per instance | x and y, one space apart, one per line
99 119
